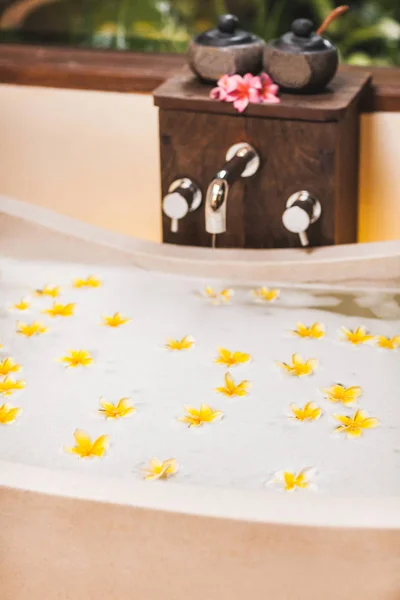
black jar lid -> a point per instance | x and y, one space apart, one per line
302 38
226 34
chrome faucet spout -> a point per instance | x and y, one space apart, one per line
242 161
216 200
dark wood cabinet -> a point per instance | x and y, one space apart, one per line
304 143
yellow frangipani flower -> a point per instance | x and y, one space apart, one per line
158 469
184 344
116 411
316 331
357 336
115 321
292 481
9 385
30 329
8 414
388 343
53 292
264 294
353 426
231 389
77 358
89 282
339 393
309 412
9 366
85 448
196 417
222 297
298 367
231 359
23 304
60 310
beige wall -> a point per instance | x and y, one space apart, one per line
88 155
94 156
379 198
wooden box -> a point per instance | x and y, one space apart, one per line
305 143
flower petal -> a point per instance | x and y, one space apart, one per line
124 404
82 439
229 382
343 419
354 432
100 445
193 412
370 422
312 363
297 359
241 104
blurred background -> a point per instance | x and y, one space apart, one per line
368 35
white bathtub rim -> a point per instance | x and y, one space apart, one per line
301 266
308 509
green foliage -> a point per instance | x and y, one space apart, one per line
368 34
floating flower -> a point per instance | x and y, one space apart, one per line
115 321
292 481
116 411
231 389
77 358
48 290
298 367
264 294
196 418
309 412
23 304
357 336
222 297
316 331
8 414
60 310
9 366
184 344
9 385
30 329
158 469
231 359
388 343
89 282
339 393
85 448
353 426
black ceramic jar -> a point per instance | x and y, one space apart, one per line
228 49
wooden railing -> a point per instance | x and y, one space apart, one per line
73 68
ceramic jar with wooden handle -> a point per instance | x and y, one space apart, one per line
228 49
301 61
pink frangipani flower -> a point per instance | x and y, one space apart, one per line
269 90
241 91
220 92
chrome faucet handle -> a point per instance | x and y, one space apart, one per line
183 197
241 161
244 151
302 210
